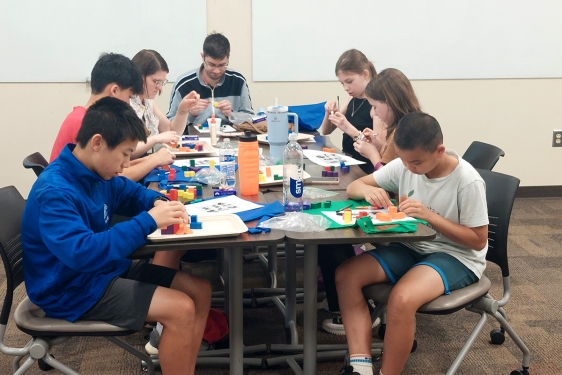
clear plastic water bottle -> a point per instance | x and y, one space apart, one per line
293 186
227 164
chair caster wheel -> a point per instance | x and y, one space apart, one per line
520 372
382 330
497 336
43 365
414 346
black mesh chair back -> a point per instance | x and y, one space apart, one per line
35 161
500 195
482 155
11 211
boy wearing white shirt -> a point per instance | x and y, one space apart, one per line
435 185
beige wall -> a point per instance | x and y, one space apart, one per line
516 115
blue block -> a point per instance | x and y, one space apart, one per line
193 218
196 225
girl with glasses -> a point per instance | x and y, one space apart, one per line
154 69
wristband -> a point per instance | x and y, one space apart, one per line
378 165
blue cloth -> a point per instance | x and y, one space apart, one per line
69 253
310 116
267 211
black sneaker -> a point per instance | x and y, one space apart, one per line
348 370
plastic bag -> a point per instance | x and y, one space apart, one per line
208 176
238 118
297 222
316 193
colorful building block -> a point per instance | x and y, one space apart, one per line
327 204
196 225
347 216
381 216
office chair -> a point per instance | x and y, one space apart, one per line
45 332
482 155
35 161
500 194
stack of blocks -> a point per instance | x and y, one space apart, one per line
182 228
329 171
184 194
392 214
306 205
268 174
170 173
190 147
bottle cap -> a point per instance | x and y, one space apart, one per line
248 137
293 137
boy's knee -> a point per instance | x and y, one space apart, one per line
342 274
400 302
184 309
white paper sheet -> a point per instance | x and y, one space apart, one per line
327 159
339 218
199 162
224 205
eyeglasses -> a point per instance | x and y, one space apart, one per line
158 82
213 66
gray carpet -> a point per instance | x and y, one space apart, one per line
535 311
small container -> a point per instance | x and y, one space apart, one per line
248 164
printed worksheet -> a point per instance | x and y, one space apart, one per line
327 159
230 204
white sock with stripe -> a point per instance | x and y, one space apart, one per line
362 364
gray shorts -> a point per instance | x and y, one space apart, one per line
396 259
126 299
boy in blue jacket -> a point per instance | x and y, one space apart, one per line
76 267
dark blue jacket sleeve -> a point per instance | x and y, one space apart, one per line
67 234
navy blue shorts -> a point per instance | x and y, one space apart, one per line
396 259
126 299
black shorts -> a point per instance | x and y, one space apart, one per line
126 299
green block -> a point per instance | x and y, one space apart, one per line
184 168
327 204
315 205
332 168
277 177
192 163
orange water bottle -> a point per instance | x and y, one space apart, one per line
248 164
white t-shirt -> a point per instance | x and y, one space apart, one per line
459 197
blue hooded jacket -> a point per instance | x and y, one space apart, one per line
70 253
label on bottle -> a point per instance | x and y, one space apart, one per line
296 188
227 158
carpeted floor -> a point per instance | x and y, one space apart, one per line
535 311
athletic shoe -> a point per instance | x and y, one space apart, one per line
151 346
324 305
348 370
335 325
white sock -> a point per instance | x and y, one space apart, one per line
159 328
362 364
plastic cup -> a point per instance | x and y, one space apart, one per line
217 123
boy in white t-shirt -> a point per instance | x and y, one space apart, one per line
437 186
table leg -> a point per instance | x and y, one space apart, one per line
290 291
235 276
310 303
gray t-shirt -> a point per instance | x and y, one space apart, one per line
459 197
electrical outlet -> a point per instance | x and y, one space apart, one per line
557 138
